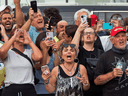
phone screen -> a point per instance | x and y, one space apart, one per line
45 68
83 18
34 6
49 35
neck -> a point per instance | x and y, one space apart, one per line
19 46
39 30
89 46
69 64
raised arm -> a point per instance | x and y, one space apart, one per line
19 14
6 46
27 25
50 80
76 38
36 55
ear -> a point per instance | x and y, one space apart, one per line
95 38
76 22
112 40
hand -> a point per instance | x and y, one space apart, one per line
126 71
27 38
3 32
82 26
99 25
47 44
17 34
31 14
117 72
83 80
46 76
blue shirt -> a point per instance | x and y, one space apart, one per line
40 88
33 35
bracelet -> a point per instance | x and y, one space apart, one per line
46 83
86 84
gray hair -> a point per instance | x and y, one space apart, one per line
81 10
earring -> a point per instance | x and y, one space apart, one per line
61 60
76 60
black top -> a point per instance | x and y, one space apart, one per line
94 90
64 75
108 61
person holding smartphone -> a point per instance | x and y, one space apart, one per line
69 78
51 59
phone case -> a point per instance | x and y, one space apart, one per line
49 35
83 18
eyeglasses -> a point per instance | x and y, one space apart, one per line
71 45
90 33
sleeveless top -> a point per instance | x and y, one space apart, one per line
69 85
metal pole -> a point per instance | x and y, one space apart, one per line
66 1
6 2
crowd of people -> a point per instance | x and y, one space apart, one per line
79 60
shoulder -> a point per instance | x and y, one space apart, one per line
82 67
32 29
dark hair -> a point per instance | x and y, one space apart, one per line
70 30
45 19
39 39
53 12
12 33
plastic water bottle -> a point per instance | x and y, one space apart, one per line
119 65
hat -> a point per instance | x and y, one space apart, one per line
94 19
4 6
117 30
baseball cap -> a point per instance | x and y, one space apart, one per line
94 19
117 30
4 6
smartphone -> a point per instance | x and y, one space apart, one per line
107 25
49 35
83 18
34 6
51 23
45 69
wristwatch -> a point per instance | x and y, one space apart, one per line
46 83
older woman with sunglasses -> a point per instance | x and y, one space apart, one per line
69 78
19 79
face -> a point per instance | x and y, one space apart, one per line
68 54
89 36
119 40
67 39
21 38
78 21
116 23
38 21
7 21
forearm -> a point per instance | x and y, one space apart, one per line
103 79
37 55
50 88
5 37
45 55
19 15
86 87
27 25
57 60
76 39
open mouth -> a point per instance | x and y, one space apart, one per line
39 22
8 23
69 56
121 42
88 38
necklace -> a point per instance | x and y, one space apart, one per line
70 69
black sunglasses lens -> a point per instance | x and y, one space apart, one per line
66 45
72 45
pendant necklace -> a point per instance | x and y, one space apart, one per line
70 69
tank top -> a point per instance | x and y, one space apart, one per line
69 85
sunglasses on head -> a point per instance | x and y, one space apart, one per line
116 17
71 45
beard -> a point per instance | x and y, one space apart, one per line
8 29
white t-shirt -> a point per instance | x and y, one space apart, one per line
18 69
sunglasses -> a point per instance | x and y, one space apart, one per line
90 33
116 17
43 39
71 45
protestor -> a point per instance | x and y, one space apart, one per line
50 59
111 69
77 19
69 78
117 21
19 79
88 55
